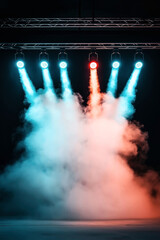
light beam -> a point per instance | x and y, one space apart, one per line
94 98
112 84
128 95
27 84
66 86
48 83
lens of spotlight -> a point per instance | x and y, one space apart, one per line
44 64
138 64
63 64
20 64
93 65
115 64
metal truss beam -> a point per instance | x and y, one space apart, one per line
77 46
84 23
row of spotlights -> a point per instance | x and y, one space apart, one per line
44 59
43 64
93 59
93 64
115 64
138 64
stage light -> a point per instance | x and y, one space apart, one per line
93 65
139 64
20 64
44 64
63 64
93 60
19 56
138 59
44 58
63 59
115 64
115 58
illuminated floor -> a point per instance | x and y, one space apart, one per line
80 230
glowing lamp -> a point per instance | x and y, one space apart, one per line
115 64
138 59
115 59
93 65
63 64
44 59
19 57
44 64
20 64
139 64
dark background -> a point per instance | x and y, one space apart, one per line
70 8
12 95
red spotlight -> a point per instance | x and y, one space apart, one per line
93 65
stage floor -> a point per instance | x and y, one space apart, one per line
80 230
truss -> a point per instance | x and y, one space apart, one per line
85 23
77 46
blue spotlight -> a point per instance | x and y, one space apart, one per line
115 58
44 64
44 59
20 64
115 64
62 59
138 59
138 64
63 64
19 56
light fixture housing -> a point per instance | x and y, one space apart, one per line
19 56
93 60
63 59
115 58
138 59
44 59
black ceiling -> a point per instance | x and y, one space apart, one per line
83 8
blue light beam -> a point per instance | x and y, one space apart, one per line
27 84
128 95
112 84
48 83
66 86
